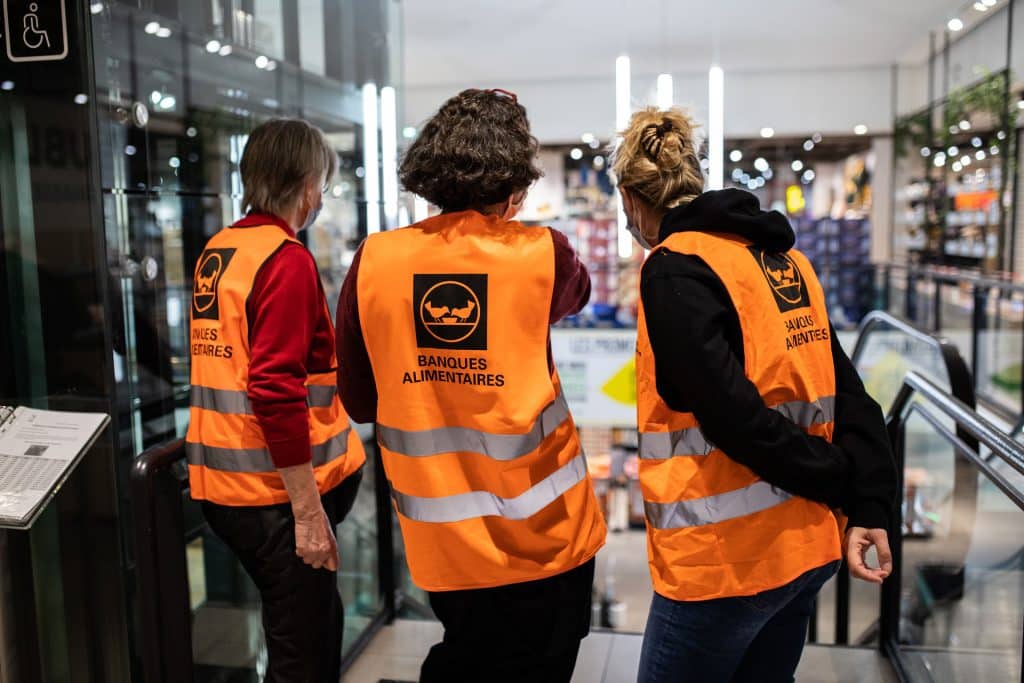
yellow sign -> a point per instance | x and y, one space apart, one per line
622 385
795 201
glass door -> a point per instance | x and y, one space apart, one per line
178 93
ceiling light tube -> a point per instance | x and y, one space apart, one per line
716 127
622 112
389 154
371 159
665 91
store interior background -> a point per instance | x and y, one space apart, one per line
887 131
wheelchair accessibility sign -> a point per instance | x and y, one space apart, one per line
36 30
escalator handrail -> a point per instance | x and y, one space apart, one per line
160 557
966 420
961 384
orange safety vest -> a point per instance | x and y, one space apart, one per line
487 472
714 528
228 459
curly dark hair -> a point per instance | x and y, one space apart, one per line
475 151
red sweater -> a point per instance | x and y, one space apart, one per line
356 385
290 333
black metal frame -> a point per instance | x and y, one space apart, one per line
159 485
971 430
961 387
165 624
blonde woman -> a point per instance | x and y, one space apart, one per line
753 423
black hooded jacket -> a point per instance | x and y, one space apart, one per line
696 338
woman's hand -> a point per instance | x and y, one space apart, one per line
858 541
314 537
315 542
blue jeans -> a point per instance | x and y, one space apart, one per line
757 638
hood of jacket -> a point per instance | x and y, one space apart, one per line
733 212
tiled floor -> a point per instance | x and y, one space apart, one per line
396 652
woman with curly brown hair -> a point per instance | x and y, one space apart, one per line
443 340
754 425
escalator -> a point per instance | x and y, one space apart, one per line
954 610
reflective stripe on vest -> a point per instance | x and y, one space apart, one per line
234 402
691 441
719 508
464 506
463 439
258 459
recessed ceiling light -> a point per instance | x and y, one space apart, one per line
737 156
767 132
860 129
761 164
576 153
797 166
808 145
163 32
261 62
980 6
226 50
152 27
954 24
213 46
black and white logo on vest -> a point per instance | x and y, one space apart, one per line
450 311
784 278
212 264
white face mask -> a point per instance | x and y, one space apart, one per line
637 235
314 213
513 209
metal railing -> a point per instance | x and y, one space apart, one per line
923 302
961 386
919 396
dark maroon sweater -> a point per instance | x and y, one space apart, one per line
290 335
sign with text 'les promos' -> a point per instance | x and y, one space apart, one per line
598 373
35 30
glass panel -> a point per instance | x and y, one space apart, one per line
888 354
311 48
359 578
963 586
268 23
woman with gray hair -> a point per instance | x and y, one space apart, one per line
270 449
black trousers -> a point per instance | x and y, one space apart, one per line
523 632
303 617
